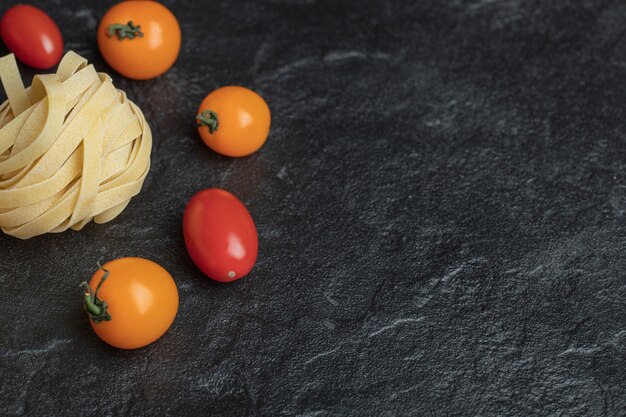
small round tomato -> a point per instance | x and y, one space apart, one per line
220 235
139 39
131 302
233 121
32 36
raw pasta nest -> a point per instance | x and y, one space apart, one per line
72 148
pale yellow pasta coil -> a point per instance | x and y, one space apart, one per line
72 149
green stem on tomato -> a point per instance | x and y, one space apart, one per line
96 308
128 30
208 118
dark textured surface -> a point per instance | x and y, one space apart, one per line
440 204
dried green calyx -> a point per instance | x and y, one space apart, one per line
208 118
95 307
128 30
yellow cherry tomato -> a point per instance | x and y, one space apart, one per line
234 121
139 39
131 302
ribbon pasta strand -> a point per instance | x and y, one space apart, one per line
73 149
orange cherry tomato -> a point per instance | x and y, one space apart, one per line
139 39
131 305
233 121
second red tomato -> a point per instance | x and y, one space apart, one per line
220 235
32 36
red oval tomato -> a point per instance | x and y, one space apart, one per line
220 235
32 36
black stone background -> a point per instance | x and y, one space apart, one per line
440 205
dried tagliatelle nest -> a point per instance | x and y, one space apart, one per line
72 148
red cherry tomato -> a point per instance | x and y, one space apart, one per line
220 235
32 36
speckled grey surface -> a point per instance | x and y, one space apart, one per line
441 210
